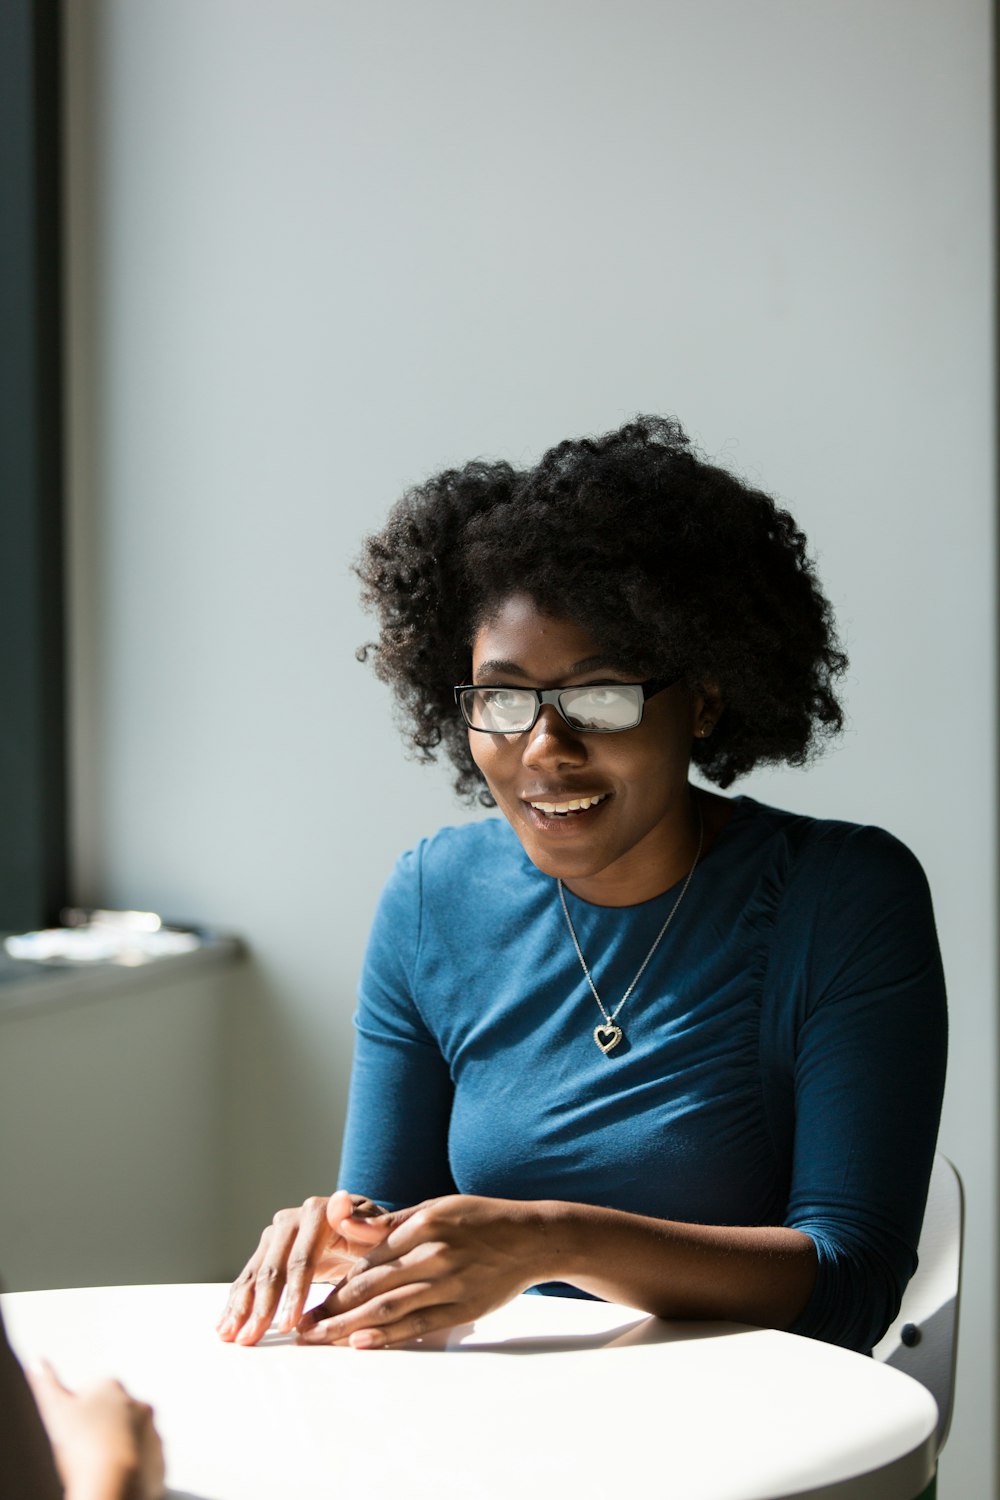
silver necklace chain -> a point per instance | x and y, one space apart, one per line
610 1034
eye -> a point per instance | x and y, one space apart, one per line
609 705
504 699
592 699
503 710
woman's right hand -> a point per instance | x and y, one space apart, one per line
299 1246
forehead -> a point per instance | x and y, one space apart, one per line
521 634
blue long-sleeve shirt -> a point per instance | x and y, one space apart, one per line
783 1060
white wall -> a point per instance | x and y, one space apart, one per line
319 250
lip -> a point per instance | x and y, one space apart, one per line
560 794
564 825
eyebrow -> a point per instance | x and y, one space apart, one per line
499 667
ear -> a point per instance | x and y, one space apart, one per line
707 708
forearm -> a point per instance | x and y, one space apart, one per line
762 1275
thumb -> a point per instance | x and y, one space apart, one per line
339 1205
344 1210
46 1387
372 1229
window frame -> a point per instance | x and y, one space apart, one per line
33 757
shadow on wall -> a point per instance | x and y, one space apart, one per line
111 1113
276 1146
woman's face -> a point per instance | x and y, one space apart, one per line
640 837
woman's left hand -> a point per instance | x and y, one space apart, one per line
443 1262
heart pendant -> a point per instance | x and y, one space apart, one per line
607 1037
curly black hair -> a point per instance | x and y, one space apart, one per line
676 568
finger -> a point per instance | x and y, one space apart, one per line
302 1257
352 1291
406 1230
415 1326
328 1308
368 1229
45 1374
46 1387
239 1302
366 1208
421 1266
364 1215
240 1299
422 1275
242 1294
388 1253
387 1309
358 1221
341 1204
107 1392
269 1280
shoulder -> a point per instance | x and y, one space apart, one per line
852 908
484 838
818 852
462 886
444 865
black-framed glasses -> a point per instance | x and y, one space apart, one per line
596 708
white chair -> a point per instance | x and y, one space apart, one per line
923 1340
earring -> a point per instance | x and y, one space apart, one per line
705 731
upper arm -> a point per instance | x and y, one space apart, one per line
868 1082
399 1106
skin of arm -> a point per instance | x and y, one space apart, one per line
452 1259
761 1275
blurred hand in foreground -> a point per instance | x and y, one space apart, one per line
105 1444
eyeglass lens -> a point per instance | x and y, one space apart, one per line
504 710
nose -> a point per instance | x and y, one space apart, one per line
553 742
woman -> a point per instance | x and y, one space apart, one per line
633 1039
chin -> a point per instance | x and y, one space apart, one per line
562 864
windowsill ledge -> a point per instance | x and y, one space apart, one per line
27 986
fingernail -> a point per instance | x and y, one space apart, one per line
367 1338
314 1333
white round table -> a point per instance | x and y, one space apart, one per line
547 1397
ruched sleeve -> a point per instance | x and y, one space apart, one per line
396 1141
865 998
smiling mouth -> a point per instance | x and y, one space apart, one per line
569 808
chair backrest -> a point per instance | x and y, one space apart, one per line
923 1340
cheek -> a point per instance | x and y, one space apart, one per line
484 754
476 748
498 765
662 763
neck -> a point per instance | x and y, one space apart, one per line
663 859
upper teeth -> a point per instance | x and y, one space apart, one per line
579 805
